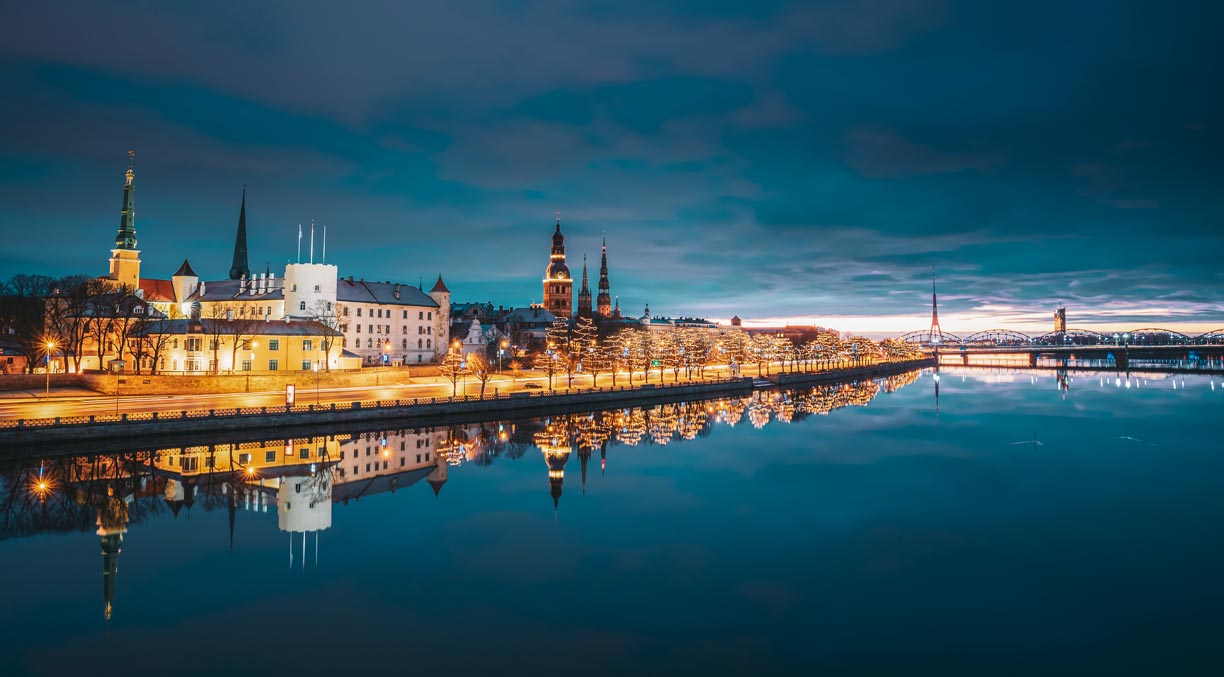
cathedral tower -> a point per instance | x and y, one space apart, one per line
584 294
603 303
558 286
125 258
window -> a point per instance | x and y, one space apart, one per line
246 365
274 344
305 365
429 330
304 452
244 458
419 342
369 329
307 344
317 289
358 329
358 312
405 314
369 343
195 344
380 312
430 315
346 311
273 365
421 330
355 469
421 315
429 343
405 344
343 342
301 305
269 456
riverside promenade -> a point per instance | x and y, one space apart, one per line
116 430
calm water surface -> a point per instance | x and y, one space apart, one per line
1022 529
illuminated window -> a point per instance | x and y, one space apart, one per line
269 456
274 344
273 365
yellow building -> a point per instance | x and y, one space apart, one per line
239 345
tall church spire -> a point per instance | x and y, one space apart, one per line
603 303
584 294
125 259
126 239
936 335
239 268
558 285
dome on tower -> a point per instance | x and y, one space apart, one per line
557 270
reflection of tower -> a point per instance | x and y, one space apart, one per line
112 524
553 441
603 302
936 335
558 286
936 379
603 457
303 505
437 476
584 456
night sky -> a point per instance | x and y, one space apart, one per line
767 159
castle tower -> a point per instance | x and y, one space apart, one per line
584 294
239 268
936 335
558 286
125 258
185 282
441 295
603 302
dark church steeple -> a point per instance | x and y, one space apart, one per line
239 268
603 303
584 294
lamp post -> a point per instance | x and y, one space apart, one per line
254 345
48 347
501 348
315 367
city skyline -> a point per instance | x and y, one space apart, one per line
775 184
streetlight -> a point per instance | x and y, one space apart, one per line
48 347
254 345
315 367
501 348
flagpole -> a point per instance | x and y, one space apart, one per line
299 258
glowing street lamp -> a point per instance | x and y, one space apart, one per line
47 348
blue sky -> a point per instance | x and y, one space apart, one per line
766 159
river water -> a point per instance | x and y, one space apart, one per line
1020 523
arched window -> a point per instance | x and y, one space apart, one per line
405 346
429 343
420 343
369 343
301 305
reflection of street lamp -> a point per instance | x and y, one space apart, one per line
48 347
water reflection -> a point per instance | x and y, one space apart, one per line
304 478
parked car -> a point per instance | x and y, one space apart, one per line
532 386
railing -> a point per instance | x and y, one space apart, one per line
232 412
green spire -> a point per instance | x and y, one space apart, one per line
126 239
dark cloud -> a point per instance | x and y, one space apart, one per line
768 159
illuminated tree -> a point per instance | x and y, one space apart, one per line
452 367
478 366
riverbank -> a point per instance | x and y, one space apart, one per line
417 411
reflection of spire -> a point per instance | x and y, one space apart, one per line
232 506
112 524
437 477
554 443
603 457
584 455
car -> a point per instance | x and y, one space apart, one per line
532 386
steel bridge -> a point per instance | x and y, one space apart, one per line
1007 339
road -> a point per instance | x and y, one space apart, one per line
87 405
